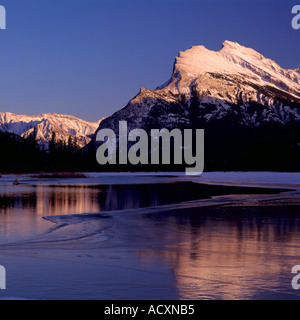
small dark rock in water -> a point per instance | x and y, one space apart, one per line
16 182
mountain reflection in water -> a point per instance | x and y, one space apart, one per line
75 199
235 251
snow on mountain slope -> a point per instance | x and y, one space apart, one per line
195 66
236 84
63 125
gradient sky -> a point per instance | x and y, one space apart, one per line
90 57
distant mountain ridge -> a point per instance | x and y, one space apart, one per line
45 124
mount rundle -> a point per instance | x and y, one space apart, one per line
236 84
248 105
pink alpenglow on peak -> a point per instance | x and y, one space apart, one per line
235 59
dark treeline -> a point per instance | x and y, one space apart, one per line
228 147
20 154
267 148
270 147
62 156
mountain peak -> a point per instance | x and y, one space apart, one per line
232 60
63 125
234 75
242 99
234 46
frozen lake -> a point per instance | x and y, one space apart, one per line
227 235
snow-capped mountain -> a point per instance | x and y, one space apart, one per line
248 105
64 126
236 84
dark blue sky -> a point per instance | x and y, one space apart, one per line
90 57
